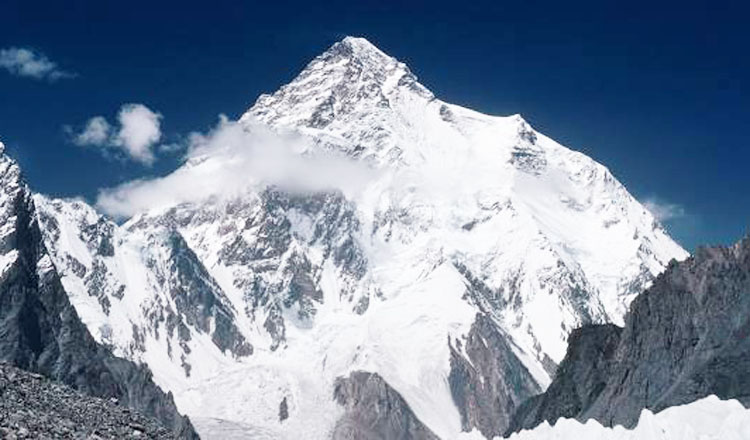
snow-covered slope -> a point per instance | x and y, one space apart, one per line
501 189
145 295
252 302
705 419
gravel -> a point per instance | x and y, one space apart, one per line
34 407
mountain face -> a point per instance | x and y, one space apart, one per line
373 410
448 281
39 328
490 381
684 338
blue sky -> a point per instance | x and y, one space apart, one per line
657 91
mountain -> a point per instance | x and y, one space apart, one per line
685 338
442 272
39 328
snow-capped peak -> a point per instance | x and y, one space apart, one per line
468 214
362 49
350 77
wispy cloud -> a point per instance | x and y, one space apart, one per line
664 211
231 158
31 64
97 132
137 132
683 225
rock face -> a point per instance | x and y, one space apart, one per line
373 410
579 379
40 330
33 407
488 382
685 338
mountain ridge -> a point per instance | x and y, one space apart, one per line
40 329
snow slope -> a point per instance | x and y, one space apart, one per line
706 419
240 301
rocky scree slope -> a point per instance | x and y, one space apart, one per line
33 407
39 328
454 272
684 338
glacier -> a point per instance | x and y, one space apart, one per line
242 300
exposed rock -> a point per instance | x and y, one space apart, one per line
686 337
489 385
580 377
200 300
373 410
283 410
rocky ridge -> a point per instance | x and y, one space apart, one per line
685 338
40 330
373 410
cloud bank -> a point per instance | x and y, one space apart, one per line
30 64
138 131
229 160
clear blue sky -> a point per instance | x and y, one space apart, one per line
657 91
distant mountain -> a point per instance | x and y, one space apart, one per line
686 337
39 328
448 282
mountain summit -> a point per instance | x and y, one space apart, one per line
445 288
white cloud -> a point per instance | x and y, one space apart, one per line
97 132
138 131
664 211
230 159
171 148
31 64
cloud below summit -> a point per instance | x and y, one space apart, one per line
231 158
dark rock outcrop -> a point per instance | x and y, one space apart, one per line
686 337
489 385
199 299
580 378
373 410
40 330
